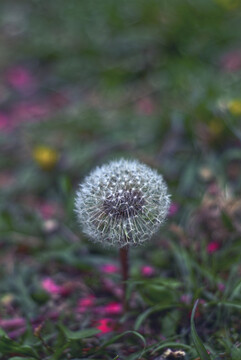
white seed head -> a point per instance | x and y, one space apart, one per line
122 203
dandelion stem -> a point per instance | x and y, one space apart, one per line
125 273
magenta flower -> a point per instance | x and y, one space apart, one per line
47 210
85 303
212 247
221 287
173 209
12 323
109 269
186 299
52 288
105 325
15 327
113 308
20 79
147 270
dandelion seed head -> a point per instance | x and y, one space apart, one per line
122 203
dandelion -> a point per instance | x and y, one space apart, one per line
122 204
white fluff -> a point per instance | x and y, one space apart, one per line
123 202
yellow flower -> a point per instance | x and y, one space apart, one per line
7 299
228 4
216 127
45 157
234 107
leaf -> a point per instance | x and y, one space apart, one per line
7 219
236 291
157 291
115 338
232 154
202 352
3 333
65 185
230 304
78 335
227 221
171 344
148 312
9 346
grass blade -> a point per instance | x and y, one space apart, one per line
202 352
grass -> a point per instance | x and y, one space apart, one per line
93 81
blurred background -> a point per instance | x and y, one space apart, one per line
89 81
84 82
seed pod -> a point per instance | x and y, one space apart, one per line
122 203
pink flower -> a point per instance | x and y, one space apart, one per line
12 323
147 270
20 78
85 303
186 299
221 287
105 325
16 333
52 288
47 210
212 247
113 308
174 207
109 269
15 327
